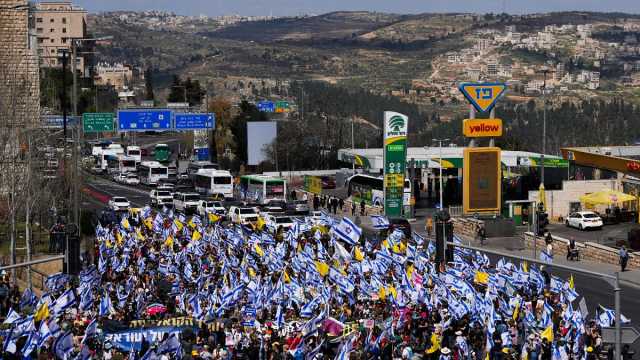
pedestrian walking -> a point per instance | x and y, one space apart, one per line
353 208
341 204
316 202
362 207
482 234
624 258
428 226
335 206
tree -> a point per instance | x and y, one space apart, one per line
222 137
148 84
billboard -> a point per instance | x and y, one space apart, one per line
482 127
482 180
267 106
395 158
260 134
144 120
313 184
194 121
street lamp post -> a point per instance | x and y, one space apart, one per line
545 70
440 141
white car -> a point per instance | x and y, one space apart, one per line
208 206
584 220
132 179
243 215
316 217
161 198
274 222
119 177
119 203
186 202
166 187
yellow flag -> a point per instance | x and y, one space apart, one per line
119 238
516 311
385 243
322 268
381 293
213 218
571 284
125 223
525 267
435 344
139 234
252 272
178 224
286 277
42 312
108 243
392 292
396 249
357 254
409 271
169 241
191 223
481 277
148 223
547 334
196 235
258 250
347 329
260 223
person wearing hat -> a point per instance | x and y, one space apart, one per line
445 354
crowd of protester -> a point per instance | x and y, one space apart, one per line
170 286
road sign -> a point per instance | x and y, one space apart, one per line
144 120
282 106
482 127
267 106
97 122
628 335
482 96
57 121
395 158
482 180
194 121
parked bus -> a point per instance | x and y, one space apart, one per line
121 164
134 152
214 182
161 152
371 189
152 172
196 166
262 188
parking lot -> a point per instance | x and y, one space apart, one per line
608 235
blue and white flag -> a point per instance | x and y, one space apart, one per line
12 317
171 345
546 257
63 302
91 330
63 346
106 307
31 344
28 298
347 231
379 222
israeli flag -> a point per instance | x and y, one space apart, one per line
546 257
12 317
171 345
106 307
31 344
347 231
91 330
28 298
63 345
379 222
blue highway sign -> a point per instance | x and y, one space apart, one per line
144 120
194 121
267 106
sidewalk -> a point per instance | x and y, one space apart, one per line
515 247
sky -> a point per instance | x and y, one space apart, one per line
297 7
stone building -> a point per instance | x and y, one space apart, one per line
19 73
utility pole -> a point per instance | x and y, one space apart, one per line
444 228
544 132
353 149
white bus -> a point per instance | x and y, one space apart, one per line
370 189
134 152
262 188
152 172
121 164
196 166
213 182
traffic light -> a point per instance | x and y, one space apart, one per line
444 234
542 222
72 263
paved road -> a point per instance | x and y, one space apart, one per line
607 236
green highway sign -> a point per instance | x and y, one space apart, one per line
97 122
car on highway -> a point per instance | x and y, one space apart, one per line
208 206
186 202
316 217
166 187
120 178
119 203
243 215
402 224
274 207
273 222
584 220
159 197
132 179
298 207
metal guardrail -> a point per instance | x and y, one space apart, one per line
32 262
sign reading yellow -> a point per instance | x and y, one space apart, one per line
482 96
482 127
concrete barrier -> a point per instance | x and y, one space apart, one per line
588 250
